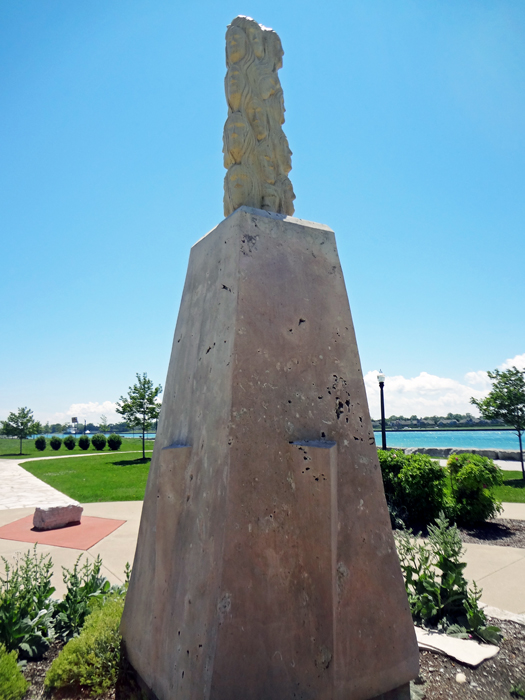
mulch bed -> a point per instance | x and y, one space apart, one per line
492 680
500 532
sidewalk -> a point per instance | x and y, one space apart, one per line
505 464
499 571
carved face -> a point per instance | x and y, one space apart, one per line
255 34
265 161
237 139
257 116
236 43
275 49
234 84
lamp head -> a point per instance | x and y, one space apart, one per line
381 377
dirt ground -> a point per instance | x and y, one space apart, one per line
499 532
492 680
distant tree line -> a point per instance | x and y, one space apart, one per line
451 420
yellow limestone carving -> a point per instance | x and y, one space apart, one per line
256 151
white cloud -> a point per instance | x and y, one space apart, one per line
517 361
479 379
89 412
430 395
424 395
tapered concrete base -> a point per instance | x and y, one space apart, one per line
265 564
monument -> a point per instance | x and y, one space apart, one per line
265 564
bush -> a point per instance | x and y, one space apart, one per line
55 442
91 660
13 685
83 442
98 441
472 478
114 441
414 487
84 584
40 443
70 442
26 608
438 593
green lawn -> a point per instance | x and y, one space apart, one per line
106 477
10 448
513 489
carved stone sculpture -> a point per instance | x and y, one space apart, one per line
256 151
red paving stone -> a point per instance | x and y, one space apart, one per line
84 536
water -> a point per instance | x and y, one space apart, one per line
477 439
149 436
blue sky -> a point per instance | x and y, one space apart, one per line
407 124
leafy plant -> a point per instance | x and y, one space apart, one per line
414 486
473 478
114 441
91 660
70 442
83 442
55 443
13 685
84 583
518 690
40 443
26 608
438 593
98 441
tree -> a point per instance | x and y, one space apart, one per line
21 425
103 426
140 407
506 402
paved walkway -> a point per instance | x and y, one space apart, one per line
499 571
505 464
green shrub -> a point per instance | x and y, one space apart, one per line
26 608
70 442
473 478
438 593
114 441
84 584
83 442
414 487
98 441
91 660
55 442
40 443
13 685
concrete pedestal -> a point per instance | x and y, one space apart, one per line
265 565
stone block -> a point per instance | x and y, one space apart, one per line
265 564
55 517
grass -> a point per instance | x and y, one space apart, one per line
10 448
106 477
513 488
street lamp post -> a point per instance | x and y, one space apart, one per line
381 380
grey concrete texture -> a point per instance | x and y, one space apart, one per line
265 562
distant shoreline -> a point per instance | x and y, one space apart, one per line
441 430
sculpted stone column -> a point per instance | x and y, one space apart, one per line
256 151
265 565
